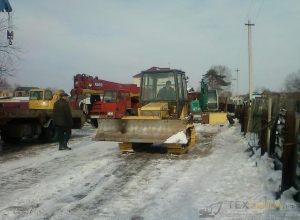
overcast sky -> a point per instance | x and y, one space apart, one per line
116 39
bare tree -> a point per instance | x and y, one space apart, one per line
292 82
219 78
4 84
261 89
9 52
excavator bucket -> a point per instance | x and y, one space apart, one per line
138 130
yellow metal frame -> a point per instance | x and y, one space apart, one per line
217 117
173 148
92 91
126 147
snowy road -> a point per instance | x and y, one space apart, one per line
95 181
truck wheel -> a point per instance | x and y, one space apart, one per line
94 123
42 137
49 134
7 139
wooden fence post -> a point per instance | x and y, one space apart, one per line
246 118
264 132
1 146
288 150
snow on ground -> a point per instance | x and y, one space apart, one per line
216 179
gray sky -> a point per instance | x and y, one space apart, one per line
116 39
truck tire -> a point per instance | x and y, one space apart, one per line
7 139
94 122
49 134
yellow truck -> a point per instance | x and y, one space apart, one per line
34 117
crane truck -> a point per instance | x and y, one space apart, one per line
158 120
107 99
34 117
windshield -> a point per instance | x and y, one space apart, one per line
36 95
158 86
109 96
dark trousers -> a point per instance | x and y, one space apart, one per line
64 134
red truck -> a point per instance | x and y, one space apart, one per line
116 103
107 99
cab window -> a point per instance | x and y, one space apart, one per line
120 96
48 95
109 96
36 95
127 96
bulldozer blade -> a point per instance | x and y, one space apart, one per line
138 130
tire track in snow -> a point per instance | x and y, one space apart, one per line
121 175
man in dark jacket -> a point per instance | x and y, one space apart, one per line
167 92
62 119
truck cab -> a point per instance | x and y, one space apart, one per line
42 98
45 99
115 103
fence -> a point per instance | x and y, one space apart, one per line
276 120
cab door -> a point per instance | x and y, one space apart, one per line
121 104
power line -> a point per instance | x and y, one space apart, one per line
241 45
244 31
247 17
259 10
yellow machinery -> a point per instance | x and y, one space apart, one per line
159 117
34 118
43 98
207 109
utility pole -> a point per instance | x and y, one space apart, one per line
237 83
250 58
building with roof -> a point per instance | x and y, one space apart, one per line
137 77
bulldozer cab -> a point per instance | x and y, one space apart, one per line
154 83
162 114
165 86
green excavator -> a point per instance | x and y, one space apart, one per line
206 109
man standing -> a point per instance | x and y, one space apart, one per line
167 92
62 119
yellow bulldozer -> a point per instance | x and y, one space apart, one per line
161 119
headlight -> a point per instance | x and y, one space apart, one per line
110 113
